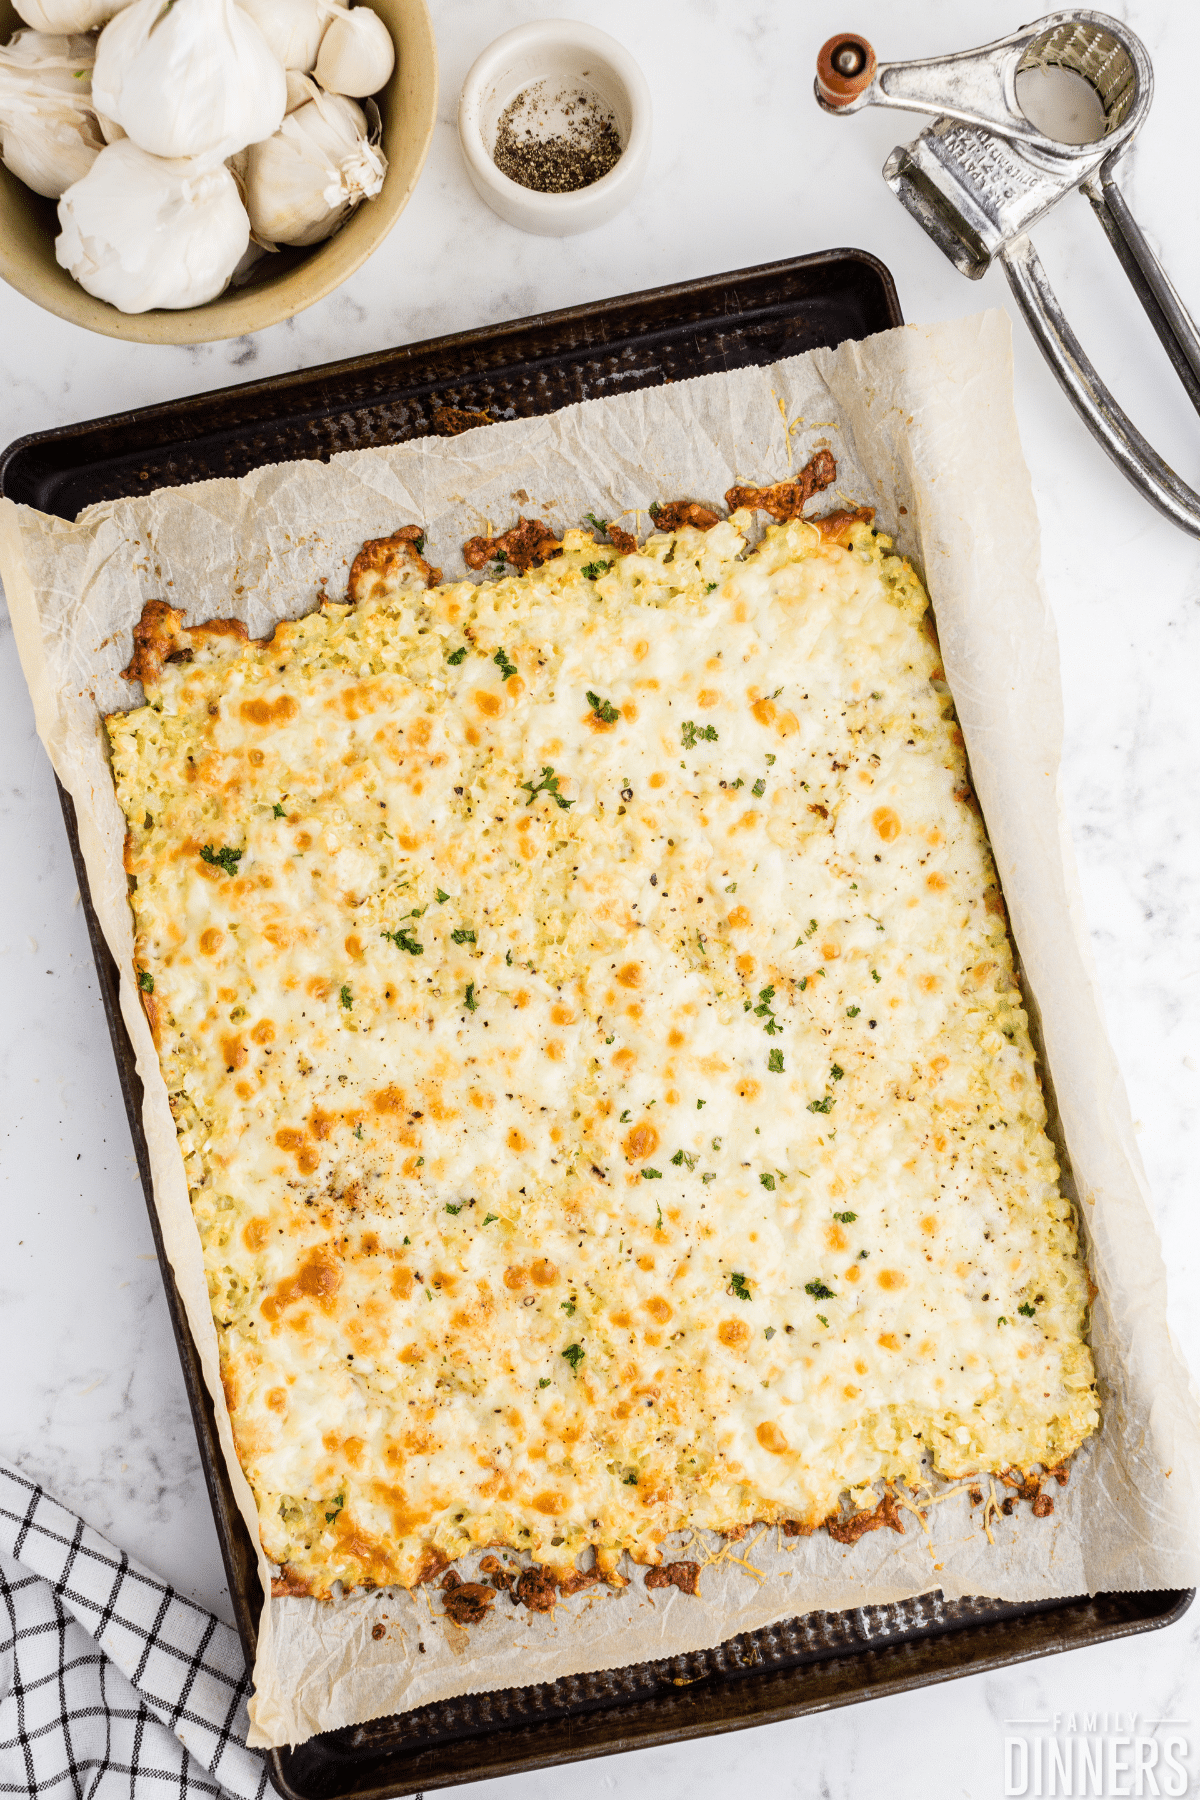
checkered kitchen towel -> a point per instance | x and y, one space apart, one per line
112 1686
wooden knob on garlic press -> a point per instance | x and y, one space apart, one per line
845 66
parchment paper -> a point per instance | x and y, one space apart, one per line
921 422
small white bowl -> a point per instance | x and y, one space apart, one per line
564 53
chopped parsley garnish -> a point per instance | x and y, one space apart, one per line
574 1355
760 787
775 1062
684 1156
469 1000
822 1106
463 934
358 1132
453 1209
567 1306
770 760
440 897
875 975
630 1480
491 1218
651 1174
625 1117
738 1287
593 571
690 734
604 710
836 1073
543 1381
600 525
732 888
547 785
763 1011
145 981
346 997
279 811
654 509
419 544
863 1255
403 939
824 1320
226 858
768 1181
457 656
769 1333
852 1012
707 1178
505 667
699 1104
846 1218
819 1291
337 1504
710 585
1029 1311
1001 1320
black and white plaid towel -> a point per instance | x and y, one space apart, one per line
112 1686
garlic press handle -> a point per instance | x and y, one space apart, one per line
1096 406
1149 280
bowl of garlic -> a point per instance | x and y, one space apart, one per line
178 171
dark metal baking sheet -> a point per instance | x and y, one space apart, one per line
532 366
509 371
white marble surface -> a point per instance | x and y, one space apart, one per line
744 169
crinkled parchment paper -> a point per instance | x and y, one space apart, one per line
922 425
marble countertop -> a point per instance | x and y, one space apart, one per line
745 169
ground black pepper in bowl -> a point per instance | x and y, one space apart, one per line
585 149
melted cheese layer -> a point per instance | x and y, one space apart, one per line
606 1099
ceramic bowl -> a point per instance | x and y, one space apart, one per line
284 284
564 54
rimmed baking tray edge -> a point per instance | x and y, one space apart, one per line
938 1653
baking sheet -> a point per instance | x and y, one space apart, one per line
921 422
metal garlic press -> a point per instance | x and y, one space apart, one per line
982 175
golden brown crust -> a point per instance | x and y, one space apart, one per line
153 1012
526 545
793 1528
536 1588
288 1584
683 512
156 636
379 558
683 1575
449 421
582 1578
835 526
160 636
623 542
848 1531
787 499
466 1602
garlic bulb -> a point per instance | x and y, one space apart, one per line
188 77
293 28
305 181
357 55
68 15
142 231
49 135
